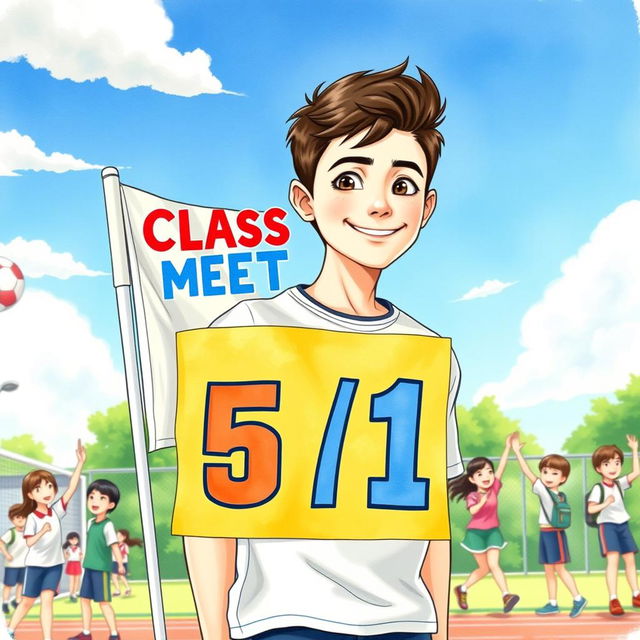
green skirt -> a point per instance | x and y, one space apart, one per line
481 540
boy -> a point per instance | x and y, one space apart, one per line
553 549
607 500
364 149
14 548
102 498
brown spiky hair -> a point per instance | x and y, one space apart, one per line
374 101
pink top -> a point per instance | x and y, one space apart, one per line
487 516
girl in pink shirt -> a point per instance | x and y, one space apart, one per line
480 486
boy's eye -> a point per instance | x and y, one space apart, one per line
347 181
404 187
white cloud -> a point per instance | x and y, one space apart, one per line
19 153
583 336
65 373
487 288
124 41
36 259
636 4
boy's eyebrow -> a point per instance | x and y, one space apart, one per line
407 164
354 159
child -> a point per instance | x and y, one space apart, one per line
124 542
43 537
607 500
102 498
553 549
73 555
365 149
480 486
14 548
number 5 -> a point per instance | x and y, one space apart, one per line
259 442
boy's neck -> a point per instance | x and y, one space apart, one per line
100 517
346 286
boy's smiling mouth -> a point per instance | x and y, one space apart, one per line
374 232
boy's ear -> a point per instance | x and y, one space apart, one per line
429 206
301 200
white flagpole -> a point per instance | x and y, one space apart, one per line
122 284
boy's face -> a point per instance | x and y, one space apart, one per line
552 478
610 469
369 202
99 503
18 522
44 493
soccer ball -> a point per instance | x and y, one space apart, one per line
11 283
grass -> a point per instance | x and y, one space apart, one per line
484 597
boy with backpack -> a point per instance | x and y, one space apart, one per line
605 502
14 549
555 518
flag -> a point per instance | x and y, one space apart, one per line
187 265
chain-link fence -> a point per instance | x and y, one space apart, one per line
518 510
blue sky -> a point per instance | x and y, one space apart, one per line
541 147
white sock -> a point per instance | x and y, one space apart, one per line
577 598
636 594
86 633
505 593
463 589
553 603
613 597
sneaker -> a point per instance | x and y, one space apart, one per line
14 603
615 608
5 608
73 598
461 597
11 634
510 600
115 593
635 601
548 609
81 636
116 637
578 607
127 592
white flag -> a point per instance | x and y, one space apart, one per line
188 264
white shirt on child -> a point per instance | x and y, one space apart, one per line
615 513
17 549
47 552
546 502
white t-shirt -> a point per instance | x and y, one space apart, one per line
124 551
546 502
18 548
362 587
47 552
616 512
74 553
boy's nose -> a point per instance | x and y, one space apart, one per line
380 208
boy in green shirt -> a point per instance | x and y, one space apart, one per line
102 498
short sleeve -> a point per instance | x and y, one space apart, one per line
30 526
59 508
110 536
6 536
538 487
472 499
624 483
454 459
497 485
238 316
596 494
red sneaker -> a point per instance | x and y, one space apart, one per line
510 600
461 597
635 601
615 608
81 636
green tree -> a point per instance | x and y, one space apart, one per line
608 422
25 445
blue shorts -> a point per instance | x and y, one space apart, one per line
96 586
302 633
114 567
13 576
39 579
553 548
616 537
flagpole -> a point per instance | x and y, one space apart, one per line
122 283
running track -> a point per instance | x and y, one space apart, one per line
590 626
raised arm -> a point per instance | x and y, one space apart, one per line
505 456
632 441
212 569
517 449
435 573
81 457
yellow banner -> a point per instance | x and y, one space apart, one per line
305 433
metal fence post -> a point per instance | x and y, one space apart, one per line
587 564
525 546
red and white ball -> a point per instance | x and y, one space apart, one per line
11 283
